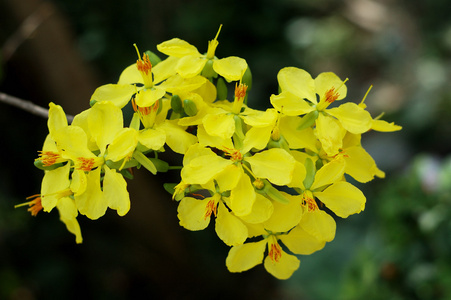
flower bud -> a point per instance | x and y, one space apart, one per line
190 108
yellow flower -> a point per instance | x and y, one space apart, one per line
331 124
277 262
193 63
147 83
339 196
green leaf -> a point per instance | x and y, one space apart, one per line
145 162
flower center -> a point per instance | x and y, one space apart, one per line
35 204
211 207
145 68
240 93
274 250
309 202
48 158
85 164
235 155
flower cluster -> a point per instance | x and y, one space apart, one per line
265 177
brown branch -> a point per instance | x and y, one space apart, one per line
26 29
28 106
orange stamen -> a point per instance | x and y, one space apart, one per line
275 252
144 64
210 208
85 164
240 91
235 155
309 202
35 204
48 158
331 95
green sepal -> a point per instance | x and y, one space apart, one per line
135 123
247 79
127 174
272 193
308 120
154 59
208 71
145 162
38 164
189 107
221 89
161 165
281 143
239 127
120 164
170 187
310 173
176 104
92 102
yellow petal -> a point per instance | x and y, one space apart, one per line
92 202
290 104
177 47
68 213
118 94
285 216
148 97
130 75
190 65
359 164
298 82
231 68
274 164
164 69
256 118
53 182
324 82
329 173
297 139
343 199
213 141
229 177
72 140
57 118
176 137
244 257
300 241
203 168
221 125
229 228
299 174
383 126
115 190
104 121
352 117
191 213
123 144
256 137
284 268
152 138
242 197
261 210
319 224
330 133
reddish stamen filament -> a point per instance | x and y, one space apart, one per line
85 164
275 252
144 64
48 158
331 95
210 208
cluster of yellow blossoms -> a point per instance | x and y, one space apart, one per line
265 176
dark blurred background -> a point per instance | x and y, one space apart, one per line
398 248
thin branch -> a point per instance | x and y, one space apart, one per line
26 29
28 106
